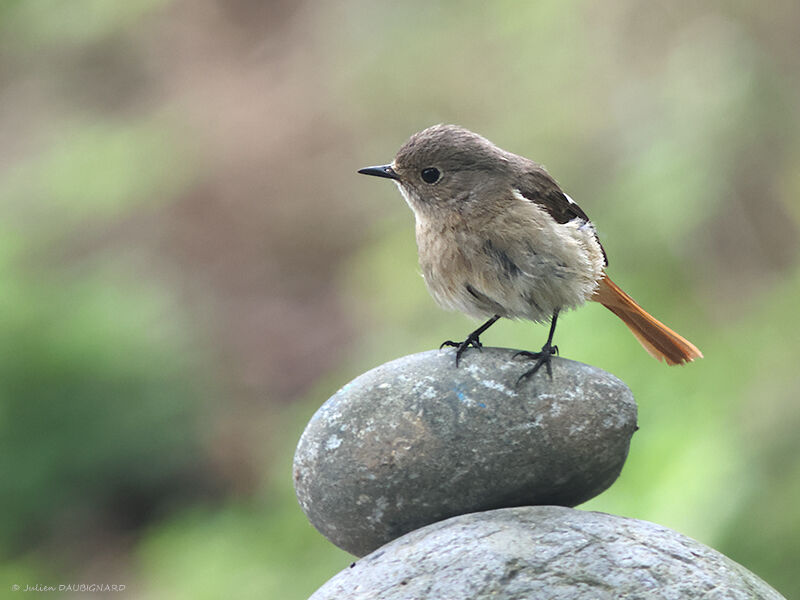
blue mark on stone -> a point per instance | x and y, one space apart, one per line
462 397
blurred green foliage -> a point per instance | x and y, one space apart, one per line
96 387
93 170
33 25
262 548
673 125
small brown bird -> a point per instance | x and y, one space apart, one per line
497 237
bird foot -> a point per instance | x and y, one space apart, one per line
542 357
472 340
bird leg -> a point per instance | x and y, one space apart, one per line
472 339
544 356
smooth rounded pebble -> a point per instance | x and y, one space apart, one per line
547 552
418 440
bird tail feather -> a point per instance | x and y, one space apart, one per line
659 340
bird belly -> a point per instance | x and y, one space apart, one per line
512 272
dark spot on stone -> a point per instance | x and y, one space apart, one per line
512 569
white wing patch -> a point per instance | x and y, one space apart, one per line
518 195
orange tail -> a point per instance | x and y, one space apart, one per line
659 340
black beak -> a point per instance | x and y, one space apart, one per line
380 171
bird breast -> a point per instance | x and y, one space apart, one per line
518 263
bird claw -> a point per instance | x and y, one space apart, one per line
462 346
542 357
526 354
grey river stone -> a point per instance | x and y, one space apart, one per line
547 553
417 440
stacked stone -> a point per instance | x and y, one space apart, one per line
459 483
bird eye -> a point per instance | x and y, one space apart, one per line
430 175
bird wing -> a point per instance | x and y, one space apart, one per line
541 189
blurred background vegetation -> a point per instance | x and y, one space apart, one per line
190 265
